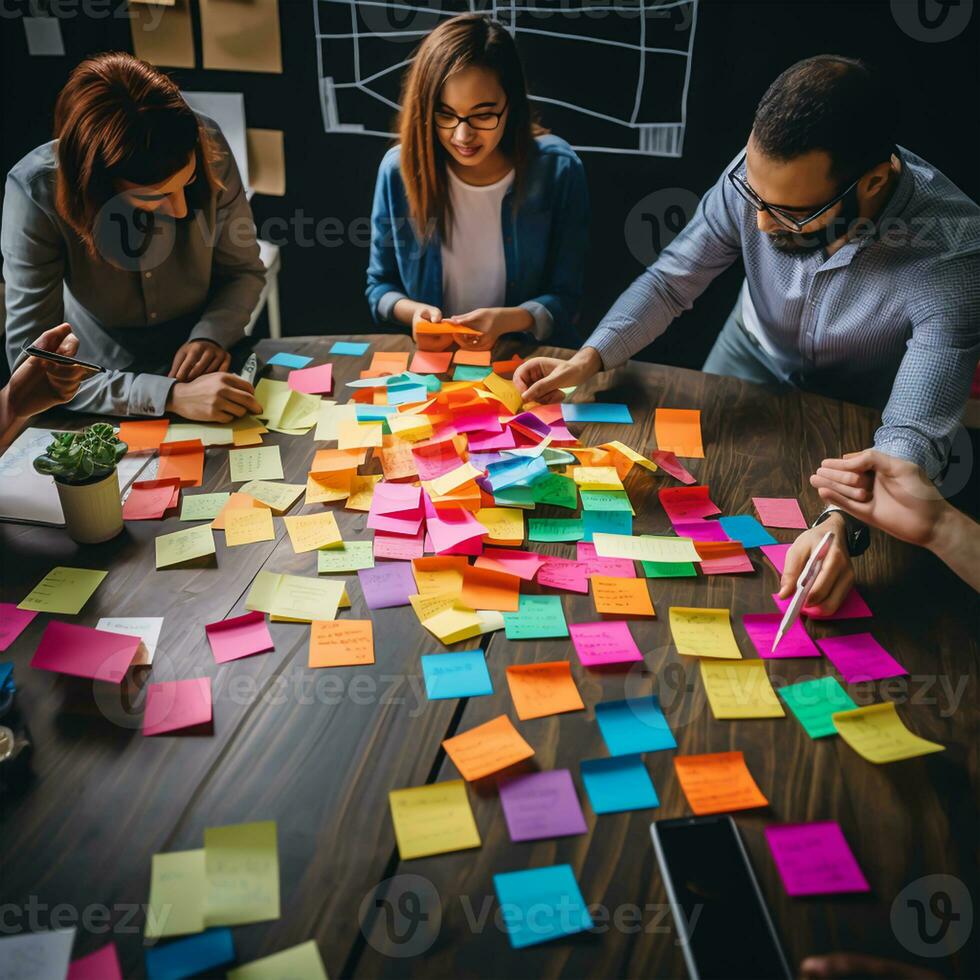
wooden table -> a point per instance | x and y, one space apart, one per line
318 751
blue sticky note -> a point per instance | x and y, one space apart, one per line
745 528
606 521
345 347
188 957
428 381
289 360
405 394
596 412
460 674
7 677
516 471
618 783
471 372
541 904
635 725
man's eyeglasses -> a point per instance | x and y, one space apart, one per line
477 120
781 215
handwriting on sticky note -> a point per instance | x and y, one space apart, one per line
543 689
739 689
703 632
248 525
241 864
488 748
261 463
341 643
877 733
718 782
433 819
63 590
312 531
621 596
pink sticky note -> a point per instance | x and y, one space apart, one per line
401 547
13 622
779 511
173 705
596 565
103 964
669 463
776 553
387 584
483 442
560 573
451 527
860 657
477 420
151 499
436 458
815 859
701 530
469 546
312 380
84 652
239 637
853 607
397 498
732 565
523 564
394 525
608 642
762 629
687 503
560 436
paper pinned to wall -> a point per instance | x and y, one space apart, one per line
266 161
163 34
241 35
44 36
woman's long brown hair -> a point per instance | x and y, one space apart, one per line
470 40
119 118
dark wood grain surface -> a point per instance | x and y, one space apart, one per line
319 750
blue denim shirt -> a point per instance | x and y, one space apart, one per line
544 242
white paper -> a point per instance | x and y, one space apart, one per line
147 628
44 36
38 955
227 109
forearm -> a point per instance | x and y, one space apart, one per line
11 421
957 544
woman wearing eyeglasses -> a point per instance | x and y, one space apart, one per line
480 219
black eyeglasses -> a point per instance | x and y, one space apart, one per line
781 215
477 120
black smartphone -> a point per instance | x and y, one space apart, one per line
722 920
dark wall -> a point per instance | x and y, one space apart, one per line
739 48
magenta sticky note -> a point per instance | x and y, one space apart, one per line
815 859
669 463
560 573
540 805
608 642
451 527
312 380
701 530
860 657
397 498
853 607
85 652
239 637
762 629
469 546
779 511
103 964
488 441
776 553
596 565
387 584
13 622
687 503
173 705
400 547
523 564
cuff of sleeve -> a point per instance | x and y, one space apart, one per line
544 322
908 444
607 340
148 394
386 304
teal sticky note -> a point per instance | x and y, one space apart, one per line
634 725
427 381
745 528
606 521
558 457
282 359
554 529
471 372
619 783
814 701
541 904
460 674
191 956
405 394
522 497
669 569
556 490
538 616
346 347
595 412
606 500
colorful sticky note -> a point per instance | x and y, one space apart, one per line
718 782
739 689
669 569
248 526
860 657
81 651
348 348
687 503
183 460
352 434
353 556
278 497
312 381
605 522
202 506
634 725
433 819
541 805
302 962
762 629
814 702
13 622
621 596
312 531
560 573
260 463
596 412
678 431
241 862
815 859
554 529
149 500
180 547
537 616
177 884
556 490
175 705
63 590
703 633
431 362
618 783
779 512
543 689
877 733
647 547
236 501
776 553
523 564
191 956
386 585
285 359
603 643
853 607
669 463
487 749
238 637
341 643
103 964
541 904
460 674
746 529
144 435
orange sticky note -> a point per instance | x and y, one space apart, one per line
441 329
478 358
543 689
183 460
143 435
484 588
352 434
621 596
488 748
431 361
237 501
327 461
678 431
389 361
341 643
247 437
718 782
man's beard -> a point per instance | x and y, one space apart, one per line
806 243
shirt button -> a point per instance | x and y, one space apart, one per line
153 316
147 275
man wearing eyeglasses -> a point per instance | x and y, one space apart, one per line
862 281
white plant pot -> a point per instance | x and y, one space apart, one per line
93 511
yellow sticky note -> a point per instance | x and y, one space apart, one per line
740 689
410 426
263 592
505 391
703 633
433 819
631 454
63 590
277 496
248 525
432 604
502 523
305 599
329 417
361 492
263 463
300 962
326 490
439 576
177 884
596 477
448 482
188 545
352 434
312 531
646 547
241 865
877 733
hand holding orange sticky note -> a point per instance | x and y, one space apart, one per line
488 748
718 782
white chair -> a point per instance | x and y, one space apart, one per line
269 254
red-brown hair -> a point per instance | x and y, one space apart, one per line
119 118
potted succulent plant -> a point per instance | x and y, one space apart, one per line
83 465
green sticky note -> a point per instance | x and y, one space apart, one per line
471 372
184 546
261 463
63 590
297 963
557 490
177 886
202 506
814 702
606 522
522 497
241 863
617 500
554 529
669 569
537 616
353 555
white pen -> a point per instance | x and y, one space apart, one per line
803 585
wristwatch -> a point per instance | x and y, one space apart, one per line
857 534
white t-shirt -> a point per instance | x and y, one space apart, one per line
474 271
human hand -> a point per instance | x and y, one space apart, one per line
217 397
37 385
836 577
492 322
198 357
834 965
540 379
428 341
